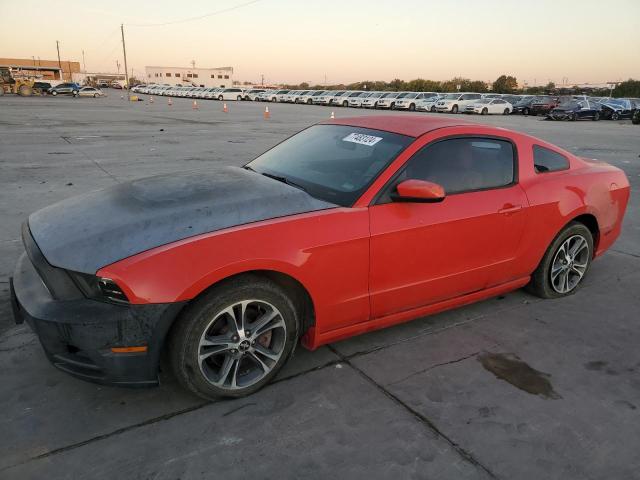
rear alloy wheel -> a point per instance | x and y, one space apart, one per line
615 116
220 98
596 116
239 98
506 111
454 109
525 111
573 117
234 339
565 263
54 93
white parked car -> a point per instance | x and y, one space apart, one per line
90 92
388 100
265 96
274 95
409 100
230 94
325 98
342 99
456 102
355 101
309 96
427 104
252 94
489 105
371 101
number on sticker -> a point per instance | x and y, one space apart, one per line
362 139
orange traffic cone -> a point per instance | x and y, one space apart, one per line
266 113
195 105
224 108
151 99
170 102
333 115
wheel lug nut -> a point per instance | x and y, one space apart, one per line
235 338
247 332
233 350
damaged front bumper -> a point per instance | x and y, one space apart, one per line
78 335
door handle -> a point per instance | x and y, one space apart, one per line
509 209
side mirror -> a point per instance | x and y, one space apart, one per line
418 191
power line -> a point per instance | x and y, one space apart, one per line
191 19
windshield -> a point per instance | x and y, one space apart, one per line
402 95
335 163
485 100
451 96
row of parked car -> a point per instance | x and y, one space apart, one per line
553 107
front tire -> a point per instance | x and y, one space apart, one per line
506 111
565 263
412 107
615 116
484 111
596 116
234 339
220 98
454 109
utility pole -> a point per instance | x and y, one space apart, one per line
126 70
59 62
262 80
84 65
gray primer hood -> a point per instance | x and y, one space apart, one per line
90 231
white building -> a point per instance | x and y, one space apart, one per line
201 77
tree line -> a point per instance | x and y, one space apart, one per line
503 84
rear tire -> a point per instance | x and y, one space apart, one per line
596 116
525 111
615 116
345 104
220 98
551 270
244 361
506 111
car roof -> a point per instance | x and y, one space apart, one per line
412 126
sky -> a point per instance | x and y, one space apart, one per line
342 41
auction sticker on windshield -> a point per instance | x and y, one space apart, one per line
362 139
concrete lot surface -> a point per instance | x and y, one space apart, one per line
510 388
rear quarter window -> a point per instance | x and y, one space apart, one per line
545 160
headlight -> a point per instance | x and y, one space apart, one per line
99 288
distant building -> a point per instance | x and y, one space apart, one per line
201 77
41 69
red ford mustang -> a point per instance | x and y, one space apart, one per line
347 227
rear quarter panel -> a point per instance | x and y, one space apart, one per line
556 198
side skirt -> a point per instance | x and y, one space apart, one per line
313 339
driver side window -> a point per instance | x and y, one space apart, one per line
461 165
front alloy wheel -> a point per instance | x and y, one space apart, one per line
234 339
242 344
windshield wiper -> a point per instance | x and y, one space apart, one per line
284 180
279 178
